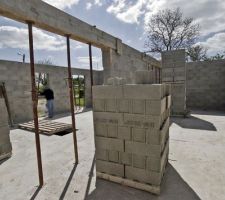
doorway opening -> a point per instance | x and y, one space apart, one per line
79 92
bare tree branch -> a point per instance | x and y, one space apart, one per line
167 30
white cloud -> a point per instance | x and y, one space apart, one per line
13 37
209 14
98 2
126 11
88 5
62 4
215 43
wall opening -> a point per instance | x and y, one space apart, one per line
42 81
79 92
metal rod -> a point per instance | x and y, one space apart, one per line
7 104
91 67
34 100
79 90
72 100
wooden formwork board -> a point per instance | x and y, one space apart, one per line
130 183
47 127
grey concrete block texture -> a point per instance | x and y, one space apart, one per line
206 85
5 144
174 72
131 124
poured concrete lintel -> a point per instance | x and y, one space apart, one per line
54 20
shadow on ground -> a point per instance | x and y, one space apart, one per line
192 122
62 196
4 160
173 187
208 112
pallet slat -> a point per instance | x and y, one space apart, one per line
46 127
137 185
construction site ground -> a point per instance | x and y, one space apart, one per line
195 169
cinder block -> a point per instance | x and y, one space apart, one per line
125 158
156 163
102 154
99 105
116 81
100 129
142 149
114 156
112 131
155 107
124 133
5 148
167 89
138 106
139 161
107 92
165 115
144 77
109 143
168 101
124 105
142 121
111 105
110 168
138 134
108 118
154 91
142 175
157 137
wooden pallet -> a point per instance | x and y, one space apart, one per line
130 183
47 127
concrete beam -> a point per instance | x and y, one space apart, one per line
56 21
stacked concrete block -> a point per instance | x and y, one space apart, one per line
5 144
174 73
144 77
131 125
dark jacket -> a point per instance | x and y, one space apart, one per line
48 93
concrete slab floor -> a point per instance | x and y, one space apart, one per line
195 171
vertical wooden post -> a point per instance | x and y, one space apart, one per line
72 100
34 100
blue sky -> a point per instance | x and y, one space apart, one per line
125 19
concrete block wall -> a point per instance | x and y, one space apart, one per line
206 85
5 144
131 125
127 63
174 73
17 80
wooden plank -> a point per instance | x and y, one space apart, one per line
47 127
130 183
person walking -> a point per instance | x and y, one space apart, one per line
49 95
